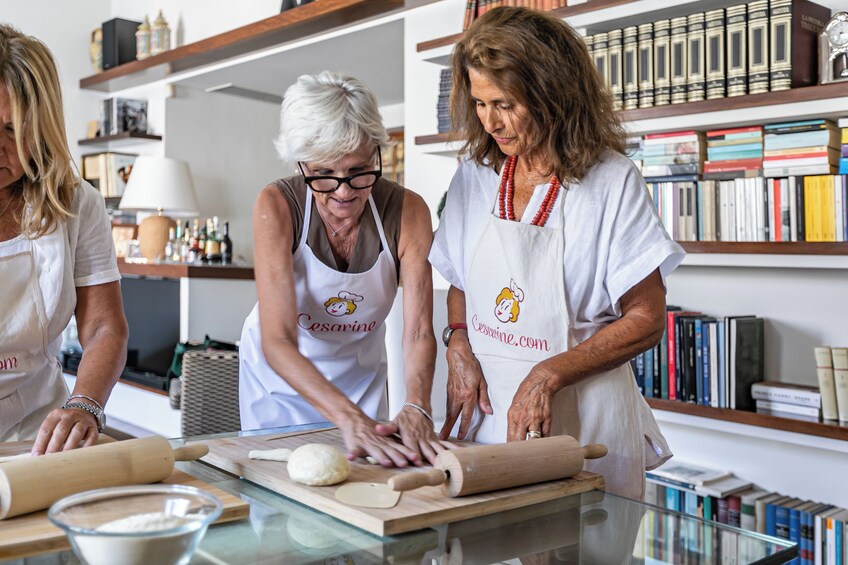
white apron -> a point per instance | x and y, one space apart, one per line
31 383
518 315
341 330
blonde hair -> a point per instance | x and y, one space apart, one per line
28 71
507 294
351 305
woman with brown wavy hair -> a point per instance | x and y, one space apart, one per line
56 260
554 252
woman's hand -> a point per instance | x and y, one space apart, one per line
362 439
467 387
65 429
416 432
531 407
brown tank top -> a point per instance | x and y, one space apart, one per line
388 198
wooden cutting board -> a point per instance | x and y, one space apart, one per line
32 534
421 508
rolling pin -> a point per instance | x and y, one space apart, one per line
484 468
34 483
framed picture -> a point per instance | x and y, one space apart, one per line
122 235
289 4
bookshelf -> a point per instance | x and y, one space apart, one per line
122 138
796 287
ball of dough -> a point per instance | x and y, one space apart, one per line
318 465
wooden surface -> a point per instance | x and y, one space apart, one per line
768 248
33 534
126 136
288 26
418 509
830 429
182 270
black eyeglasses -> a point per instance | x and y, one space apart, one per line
359 181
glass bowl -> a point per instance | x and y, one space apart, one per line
136 525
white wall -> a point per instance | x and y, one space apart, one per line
66 29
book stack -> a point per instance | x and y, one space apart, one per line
706 360
736 152
843 154
443 105
118 115
673 154
633 150
476 8
832 373
787 400
801 148
108 172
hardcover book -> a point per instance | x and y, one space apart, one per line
745 359
600 56
679 42
790 393
615 68
714 39
737 60
646 65
794 26
630 51
662 62
758 57
696 79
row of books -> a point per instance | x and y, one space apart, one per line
118 115
712 361
832 373
761 46
476 8
108 172
797 208
443 105
819 529
788 400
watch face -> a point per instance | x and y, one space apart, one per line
837 30
446 334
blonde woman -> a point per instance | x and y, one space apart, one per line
56 260
332 243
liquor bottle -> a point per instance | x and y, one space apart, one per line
213 244
172 242
185 248
226 246
194 242
201 244
176 246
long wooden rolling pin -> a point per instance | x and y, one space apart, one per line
484 468
34 483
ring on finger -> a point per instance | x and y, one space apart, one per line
533 434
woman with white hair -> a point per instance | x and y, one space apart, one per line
56 260
332 243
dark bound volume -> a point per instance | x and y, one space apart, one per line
662 62
601 58
630 49
746 360
615 68
737 61
645 65
678 60
758 58
714 39
795 26
696 80
118 42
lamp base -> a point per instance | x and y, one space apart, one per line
153 235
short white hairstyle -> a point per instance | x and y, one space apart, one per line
326 116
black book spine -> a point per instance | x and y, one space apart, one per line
799 208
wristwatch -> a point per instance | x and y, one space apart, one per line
448 332
95 411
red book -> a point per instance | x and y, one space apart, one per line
732 165
795 156
670 134
777 214
733 130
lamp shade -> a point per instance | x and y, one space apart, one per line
160 183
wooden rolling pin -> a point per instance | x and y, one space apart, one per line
34 483
484 468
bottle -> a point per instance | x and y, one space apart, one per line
194 242
142 40
176 247
201 244
169 247
185 248
226 246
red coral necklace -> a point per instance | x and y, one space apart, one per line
506 195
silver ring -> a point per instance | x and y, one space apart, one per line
533 434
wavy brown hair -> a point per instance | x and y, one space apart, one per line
543 64
28 71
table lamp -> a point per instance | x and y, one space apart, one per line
163 185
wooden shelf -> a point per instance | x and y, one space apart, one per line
286 27
768 248
184 270
433 138
123 137
832 430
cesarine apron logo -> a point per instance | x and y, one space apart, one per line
342 305
507 304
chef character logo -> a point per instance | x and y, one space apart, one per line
507 303
343 304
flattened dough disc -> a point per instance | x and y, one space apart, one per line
367 495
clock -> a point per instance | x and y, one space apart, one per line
834 49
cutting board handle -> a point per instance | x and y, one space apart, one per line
190 452
594 451
411 481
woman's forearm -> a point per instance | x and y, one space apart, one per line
104 355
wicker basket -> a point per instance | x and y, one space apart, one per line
210 392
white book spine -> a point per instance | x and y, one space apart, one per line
787 408
793 210
764 391
840 381
824 371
